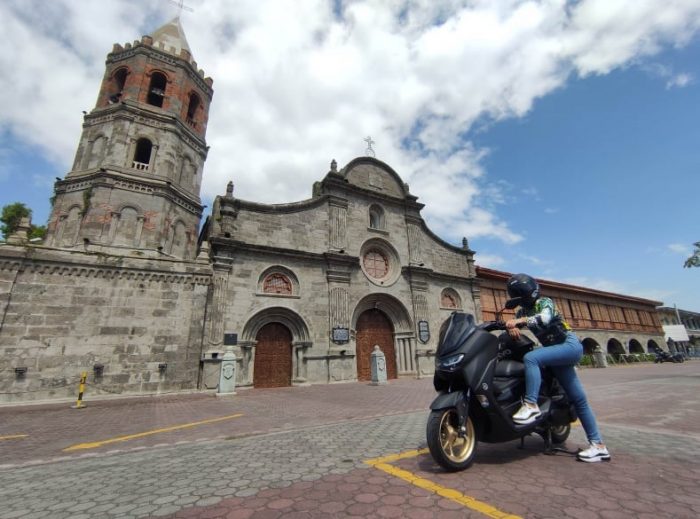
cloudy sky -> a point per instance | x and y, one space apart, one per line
561 138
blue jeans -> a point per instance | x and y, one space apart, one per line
561 359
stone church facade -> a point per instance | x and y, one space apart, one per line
123 287
312 287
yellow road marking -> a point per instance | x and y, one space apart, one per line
13 436
426 484
94 445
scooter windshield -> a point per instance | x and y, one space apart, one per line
459 327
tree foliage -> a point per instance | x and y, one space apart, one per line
694 260
11 217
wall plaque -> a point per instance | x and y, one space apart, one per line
341 334
423 331
230 339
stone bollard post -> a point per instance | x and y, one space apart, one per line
599 359
378 364
227 378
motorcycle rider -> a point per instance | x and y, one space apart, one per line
561 351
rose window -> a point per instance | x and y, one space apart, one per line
376 264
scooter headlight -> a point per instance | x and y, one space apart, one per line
451 362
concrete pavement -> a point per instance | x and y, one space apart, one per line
321 451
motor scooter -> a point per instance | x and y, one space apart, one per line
664 356
480 378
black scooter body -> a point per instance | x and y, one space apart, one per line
482 375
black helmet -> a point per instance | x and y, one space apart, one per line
523 290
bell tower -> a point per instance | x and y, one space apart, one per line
135 182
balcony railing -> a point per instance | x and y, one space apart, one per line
140 166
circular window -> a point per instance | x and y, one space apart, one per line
379 262
376 264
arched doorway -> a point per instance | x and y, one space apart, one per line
273 356
589 346
374 327
635 346
652 346
616 349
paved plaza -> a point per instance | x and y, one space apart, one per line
346 450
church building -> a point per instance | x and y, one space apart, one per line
311 288
124 287
132 288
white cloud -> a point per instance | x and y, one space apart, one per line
605 285
679 81
489 260
673 79
297 84
680 248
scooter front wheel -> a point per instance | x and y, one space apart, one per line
450 450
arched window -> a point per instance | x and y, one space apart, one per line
126 227
96 151
142 155
118 82
192 109
277 283
156 90
376 217
450 299
178 246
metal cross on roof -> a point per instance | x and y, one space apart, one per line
181 5
369 151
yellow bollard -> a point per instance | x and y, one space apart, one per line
81 389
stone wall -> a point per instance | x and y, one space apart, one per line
66 312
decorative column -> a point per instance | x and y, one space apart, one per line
415 249
217 309
338 223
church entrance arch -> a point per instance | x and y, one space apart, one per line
374 328
273 356
272 345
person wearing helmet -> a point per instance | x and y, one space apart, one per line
562 351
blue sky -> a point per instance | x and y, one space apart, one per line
603 176
560 138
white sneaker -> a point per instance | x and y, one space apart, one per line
593 454
527 413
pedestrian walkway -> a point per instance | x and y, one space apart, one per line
343 451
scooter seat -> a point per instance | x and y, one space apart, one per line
509 368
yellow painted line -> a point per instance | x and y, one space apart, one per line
13 436
94 445
426 484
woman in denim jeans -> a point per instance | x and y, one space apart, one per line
561 352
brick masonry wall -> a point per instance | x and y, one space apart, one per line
63 312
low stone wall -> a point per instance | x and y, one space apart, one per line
134 324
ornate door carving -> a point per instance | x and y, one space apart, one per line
373 327
273 357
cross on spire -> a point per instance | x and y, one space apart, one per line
369 151
181 5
